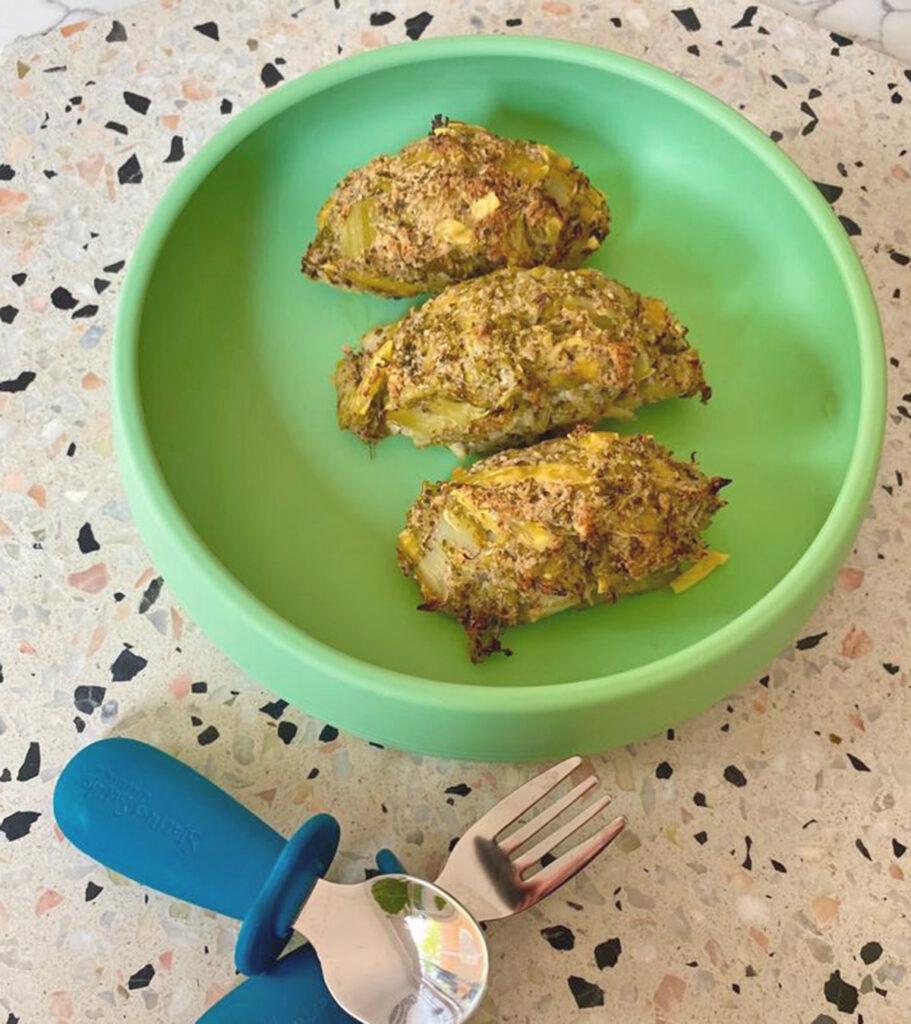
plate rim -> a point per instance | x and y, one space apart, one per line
138 462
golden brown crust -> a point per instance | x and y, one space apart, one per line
456 204
565 523
510 357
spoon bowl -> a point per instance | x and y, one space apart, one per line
397 950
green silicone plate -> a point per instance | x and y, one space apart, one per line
277 531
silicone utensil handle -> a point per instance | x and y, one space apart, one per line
292 992
156 820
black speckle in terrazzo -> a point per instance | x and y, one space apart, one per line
900 258
664 770
86 539
841 994
119 595
864 852
78 723
195 721
18 824
87 698
830 192
559 936
312 774
115 268
118 33
898 849
380 18
126 665
693 49
93 891
12 1019
746 19
688 19
18 383
62 298
151 594
616 22
840 40
851 226
85 311
226 106
207 28
460 789
116 126
142 977
779 81
806 643
6 172
136 102
130 171
414 27
699 799
274 709
516 22
101 284
856 763
328 733
207 736
6 775
270 75
607 953
778 866
701 838
734 775
748 860
811 113
586 993
286 731
199 687
31 765
176 153
870 952
19 278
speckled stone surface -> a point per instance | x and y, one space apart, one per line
762 878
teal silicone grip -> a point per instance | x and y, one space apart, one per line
293 991
156 820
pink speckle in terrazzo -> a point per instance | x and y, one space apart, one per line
180 685
92 580
11 200
849 579
61 1005
856 643
47 901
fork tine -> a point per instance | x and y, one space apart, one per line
556 837
519 801
572 862
521 836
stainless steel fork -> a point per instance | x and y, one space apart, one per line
486 871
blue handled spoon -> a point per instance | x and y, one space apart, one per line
393 948
291 992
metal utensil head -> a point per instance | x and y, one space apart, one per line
487 872
396 950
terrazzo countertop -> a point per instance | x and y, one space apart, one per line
762 877
885 24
